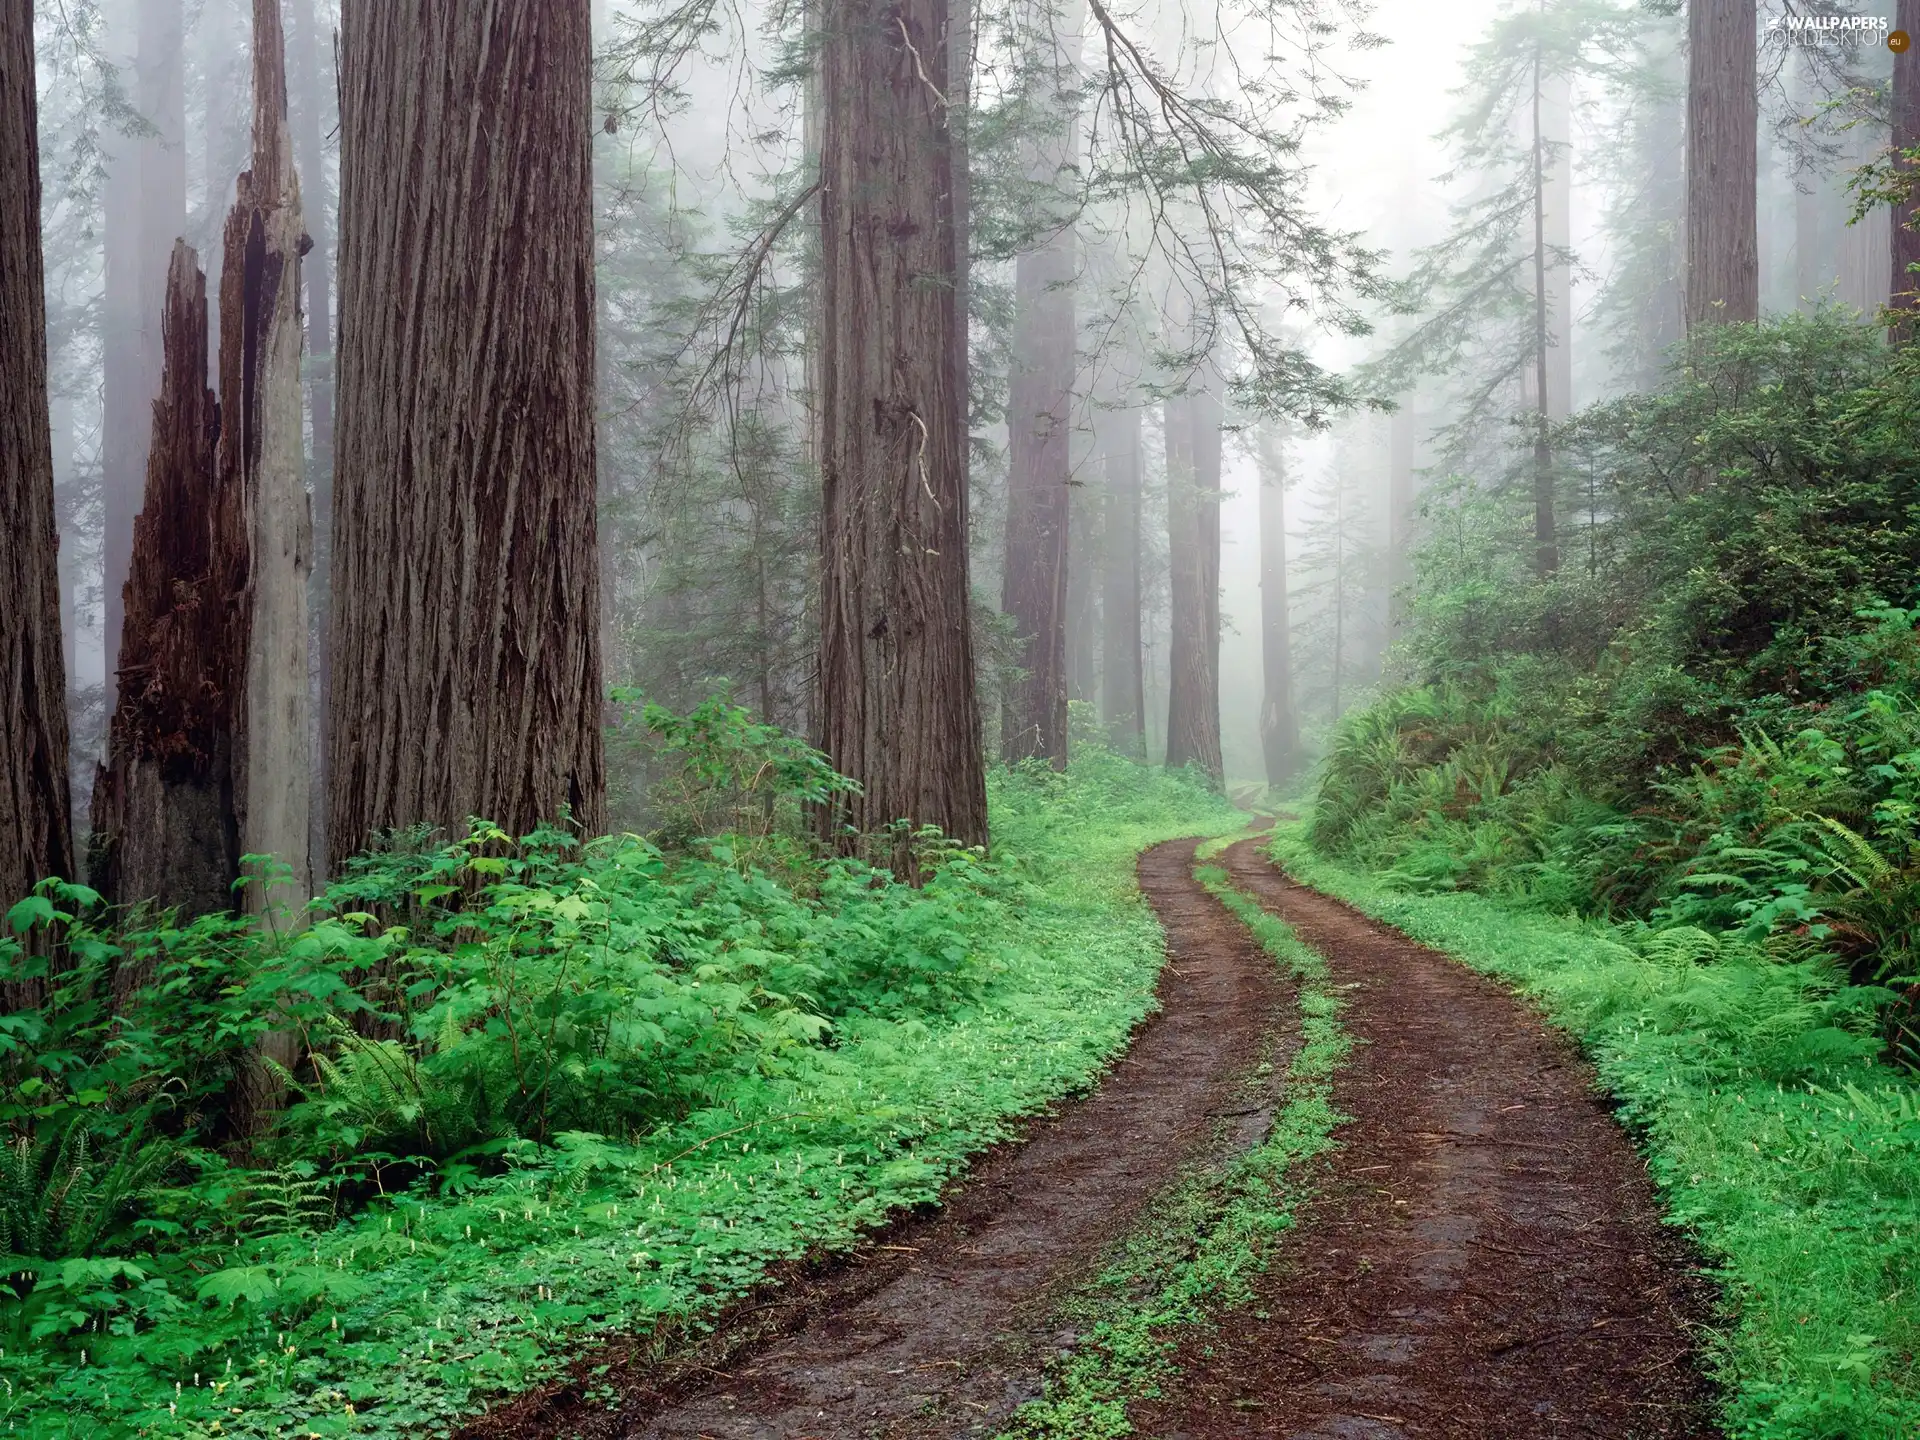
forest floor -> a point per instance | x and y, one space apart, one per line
1480 1254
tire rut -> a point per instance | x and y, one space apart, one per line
1485 1257
947 1330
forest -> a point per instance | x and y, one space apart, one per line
1025 719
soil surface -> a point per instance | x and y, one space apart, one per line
943 1326
1484 1257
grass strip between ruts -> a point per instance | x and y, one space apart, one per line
1806 1196
1197 1253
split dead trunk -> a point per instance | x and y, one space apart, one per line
207 749
465 582
1123 701
164 823
1279 721
1193 533
36 836
1723 246
897 703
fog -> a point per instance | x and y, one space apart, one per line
702 137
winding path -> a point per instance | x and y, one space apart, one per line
1483 1256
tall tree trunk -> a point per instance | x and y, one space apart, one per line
1039 422
1557 136
163 803
1279 722
1123 700
1401 438
1083 594
1546 550
36 834
65 502
1723 251
897 703
262 459
1039 475
465 573
1193 549
1903 237
317 269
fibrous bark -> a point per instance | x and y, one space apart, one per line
1905 239
163 804
897 703
1723 247
465 573
1279 722
1193 550
36 837
1123 701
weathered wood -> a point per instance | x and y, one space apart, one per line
163 809
465 573
898 709
262 459
36 837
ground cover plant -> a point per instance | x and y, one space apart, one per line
1197 1251
1775 1134
554 1089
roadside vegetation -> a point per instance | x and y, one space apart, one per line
543 1090
1681 779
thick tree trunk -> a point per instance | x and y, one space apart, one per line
1279 722
897 703
1903 237
1723 251
1123 701
1193 533
317 269
1083 595
163 804
1039 474
465 573
36 835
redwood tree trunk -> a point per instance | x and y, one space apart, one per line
1906 135
36 835
1723 246
1123 701
1279 721
1401 439
465 577
1193 550
1038 489
897 703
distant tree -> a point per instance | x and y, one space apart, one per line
1123 705
1040 405
1279 717
1723 116
1906 138
36 838
897 701
465 582
1193 550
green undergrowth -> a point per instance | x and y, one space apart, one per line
398 1307
1199 1250
1774 1135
